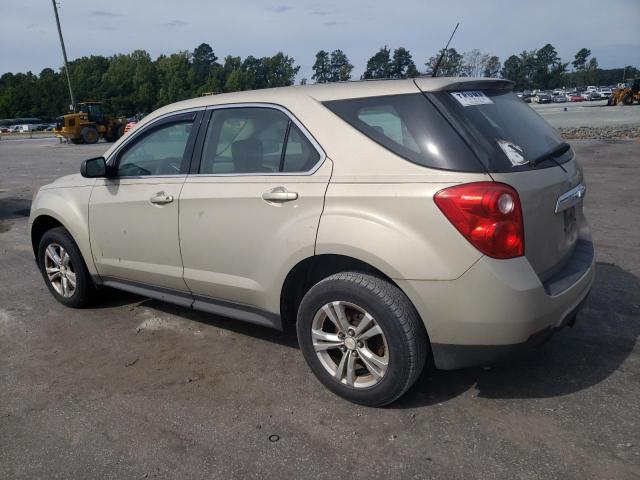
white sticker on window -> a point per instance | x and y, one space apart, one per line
514 152
471 98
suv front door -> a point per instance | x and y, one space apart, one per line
250 210
133 217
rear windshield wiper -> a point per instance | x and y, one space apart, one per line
556 151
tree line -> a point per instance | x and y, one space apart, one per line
135 83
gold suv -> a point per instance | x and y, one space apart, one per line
393 222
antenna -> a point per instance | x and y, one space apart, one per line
64 55
435 69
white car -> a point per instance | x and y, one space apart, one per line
605 92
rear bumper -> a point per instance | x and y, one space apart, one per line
499 307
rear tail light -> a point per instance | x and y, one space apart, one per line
487 214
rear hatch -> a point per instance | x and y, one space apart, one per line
507 135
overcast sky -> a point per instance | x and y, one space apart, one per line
28 37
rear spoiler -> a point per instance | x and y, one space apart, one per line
478 84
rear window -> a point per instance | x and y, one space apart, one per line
411 127
510 130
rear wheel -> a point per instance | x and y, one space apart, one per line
628 99
89 135
362 338
63 268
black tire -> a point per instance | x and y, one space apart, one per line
89 135
84 288
628 99
406 338
115 133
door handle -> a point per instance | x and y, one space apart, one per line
279 194
161 198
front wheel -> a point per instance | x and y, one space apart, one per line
89 135
362 338
63 269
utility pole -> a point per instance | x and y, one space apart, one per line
64 54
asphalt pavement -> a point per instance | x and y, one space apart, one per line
134 388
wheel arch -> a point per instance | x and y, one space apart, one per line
41 224
309 271
62 211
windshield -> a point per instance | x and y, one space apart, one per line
511 132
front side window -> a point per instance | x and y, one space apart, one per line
158 153
256 141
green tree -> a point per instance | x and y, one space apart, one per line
340 68
379 66
402 65
549 69
591 72
322 67
513 69
492 67
173 72
280 70
203 65
580 59
450 66
254 72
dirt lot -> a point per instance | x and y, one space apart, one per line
588 114
137 389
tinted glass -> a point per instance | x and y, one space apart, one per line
157 153
506 120
244 140
300 155
410 126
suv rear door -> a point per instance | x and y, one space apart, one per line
250 208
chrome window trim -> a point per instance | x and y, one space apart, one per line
292 118
137 133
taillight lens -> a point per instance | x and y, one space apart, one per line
488 214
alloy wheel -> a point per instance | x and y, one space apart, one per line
60 270
350 344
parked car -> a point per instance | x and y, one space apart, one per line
592 95
592 88
575 97
363 213
605 92
543 97
560 98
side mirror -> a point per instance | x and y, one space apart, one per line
95 168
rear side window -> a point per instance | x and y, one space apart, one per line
300 155
257 141
410 127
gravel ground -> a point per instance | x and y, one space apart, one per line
134 388
596 115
